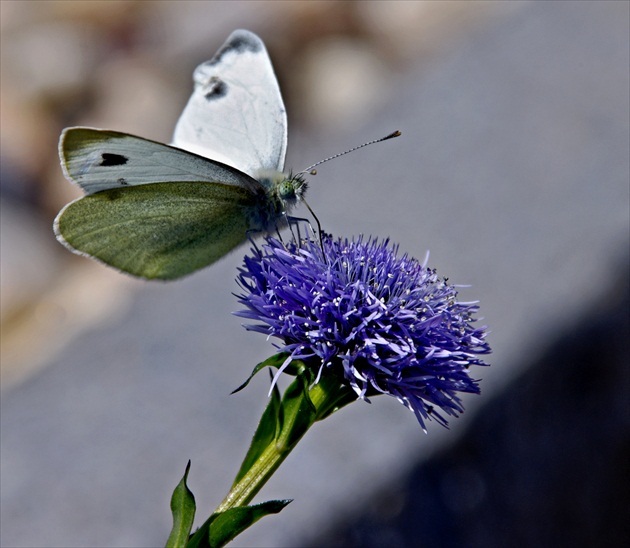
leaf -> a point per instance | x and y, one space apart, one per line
297 413
234 521
274 361
294 412
221 528
183 509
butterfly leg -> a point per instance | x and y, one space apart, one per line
250 236
294 225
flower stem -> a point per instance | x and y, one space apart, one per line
301 409
245 489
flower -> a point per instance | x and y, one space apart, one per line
385 324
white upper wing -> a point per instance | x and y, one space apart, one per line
98 159
236 114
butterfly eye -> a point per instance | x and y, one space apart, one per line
287 189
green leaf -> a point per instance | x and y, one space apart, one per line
297 413
221 528
287 418
183 508
274 361
234 521
329 395
296 368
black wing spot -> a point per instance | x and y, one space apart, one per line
109 159
217 88
240 44
122 181
244 42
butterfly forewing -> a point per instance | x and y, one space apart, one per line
236 114
98 159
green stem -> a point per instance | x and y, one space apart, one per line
245 490
326 396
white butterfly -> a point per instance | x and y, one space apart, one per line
160 211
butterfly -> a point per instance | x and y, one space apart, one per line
160 211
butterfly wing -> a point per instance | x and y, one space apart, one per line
98 160
157 211
236 114
159 231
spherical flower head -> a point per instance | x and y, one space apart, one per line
354 308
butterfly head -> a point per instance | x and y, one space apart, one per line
292 188
284 190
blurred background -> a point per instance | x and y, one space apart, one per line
513 170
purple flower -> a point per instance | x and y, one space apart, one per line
385 324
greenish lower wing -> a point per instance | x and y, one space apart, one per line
161 230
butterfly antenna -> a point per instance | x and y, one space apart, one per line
312 170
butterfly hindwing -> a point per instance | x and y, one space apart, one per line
161 231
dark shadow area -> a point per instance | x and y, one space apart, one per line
546 463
